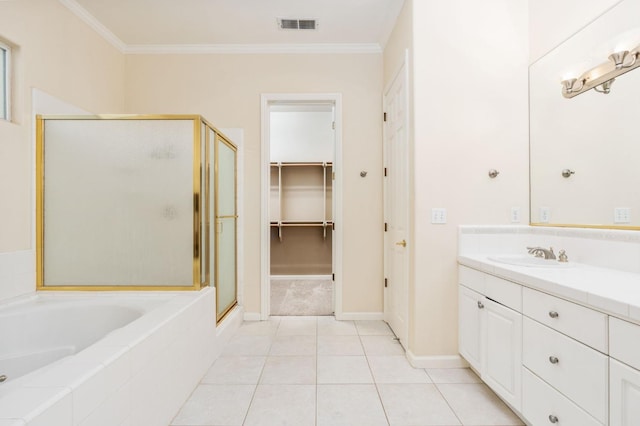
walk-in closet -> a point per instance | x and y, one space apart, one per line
302 145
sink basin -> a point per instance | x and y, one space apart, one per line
530 261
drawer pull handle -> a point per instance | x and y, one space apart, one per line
553 360
553 419
553 314
480 305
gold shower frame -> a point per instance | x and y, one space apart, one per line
198 124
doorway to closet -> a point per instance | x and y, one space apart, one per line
301 205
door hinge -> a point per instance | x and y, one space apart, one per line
384 116
333 226
333 175
385 283
333 277
385 172
385 227
333 125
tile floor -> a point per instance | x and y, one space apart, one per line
317 371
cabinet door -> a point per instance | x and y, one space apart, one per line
624 396
502 359
470 317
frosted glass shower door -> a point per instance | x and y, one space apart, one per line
117 202
226 218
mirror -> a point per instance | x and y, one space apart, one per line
585 151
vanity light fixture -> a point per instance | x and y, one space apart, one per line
601 77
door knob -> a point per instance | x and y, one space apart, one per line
402 243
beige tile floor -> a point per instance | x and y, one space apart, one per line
317 371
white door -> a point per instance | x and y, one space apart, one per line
396 198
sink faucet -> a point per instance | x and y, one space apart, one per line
542 252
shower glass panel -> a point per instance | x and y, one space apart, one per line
123 202
226 217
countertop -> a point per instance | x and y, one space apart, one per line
612 291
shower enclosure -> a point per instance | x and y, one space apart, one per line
135 202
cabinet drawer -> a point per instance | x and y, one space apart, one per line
583 324
625 395
576 370
623 342
504 292
470 278
542 404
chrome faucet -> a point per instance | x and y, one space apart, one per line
542 252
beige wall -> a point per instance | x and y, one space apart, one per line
226 89
470 115
60 55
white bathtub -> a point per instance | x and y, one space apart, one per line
39 330
112 359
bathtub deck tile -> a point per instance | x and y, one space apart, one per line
28 403
12 422
68 373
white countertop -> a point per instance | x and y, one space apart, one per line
609 290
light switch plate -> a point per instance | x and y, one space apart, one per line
439 215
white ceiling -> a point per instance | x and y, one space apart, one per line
146 23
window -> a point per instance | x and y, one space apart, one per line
5 57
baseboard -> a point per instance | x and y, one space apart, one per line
360 316
252 316
443 361
301 277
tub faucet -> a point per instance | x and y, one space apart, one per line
542 252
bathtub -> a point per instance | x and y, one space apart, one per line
106 358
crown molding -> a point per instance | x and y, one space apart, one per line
96 25
318 48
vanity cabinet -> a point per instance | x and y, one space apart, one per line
624 373
552 360
490 336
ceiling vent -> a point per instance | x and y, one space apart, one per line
297 24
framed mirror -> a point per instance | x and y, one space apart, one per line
585 151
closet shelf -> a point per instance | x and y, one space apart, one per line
302 224
297 164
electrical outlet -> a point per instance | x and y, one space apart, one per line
622 215
515 214
439 215
545 214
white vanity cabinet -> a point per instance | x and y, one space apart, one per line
624 373
490 336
